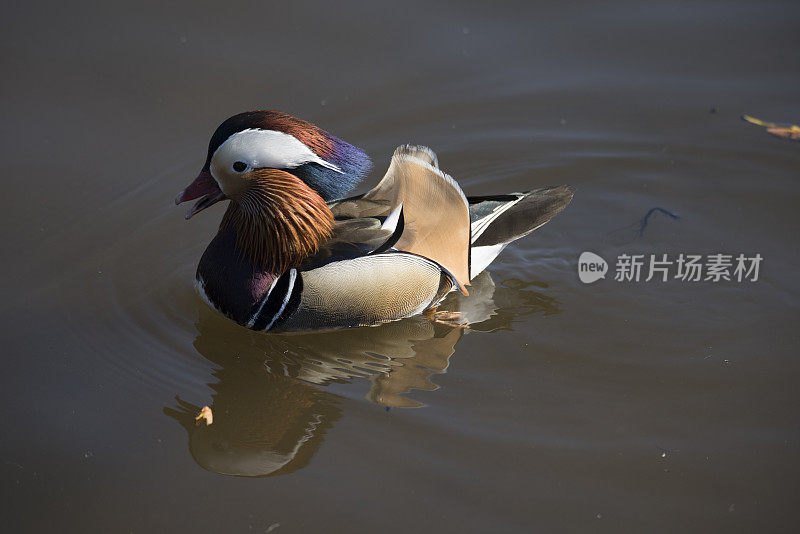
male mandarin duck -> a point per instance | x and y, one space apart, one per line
292 254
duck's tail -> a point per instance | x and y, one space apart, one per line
500 219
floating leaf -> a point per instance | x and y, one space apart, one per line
785 131
206 414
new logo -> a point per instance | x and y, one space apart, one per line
591 267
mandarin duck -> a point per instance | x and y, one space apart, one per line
293 253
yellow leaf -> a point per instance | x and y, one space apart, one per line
759 122
206 414
784 131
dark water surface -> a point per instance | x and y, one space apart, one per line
616 407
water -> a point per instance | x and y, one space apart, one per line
649 407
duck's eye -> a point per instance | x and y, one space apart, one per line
239 166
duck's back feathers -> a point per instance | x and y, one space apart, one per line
435 210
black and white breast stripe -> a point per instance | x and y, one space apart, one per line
281 299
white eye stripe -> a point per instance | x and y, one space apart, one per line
266 149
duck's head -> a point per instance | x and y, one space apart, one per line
254 146
278 172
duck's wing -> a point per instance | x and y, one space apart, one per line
497 220
352 238
358 207
505 218
435 212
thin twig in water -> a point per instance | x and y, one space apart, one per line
645 219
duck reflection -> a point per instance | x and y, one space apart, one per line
270 411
